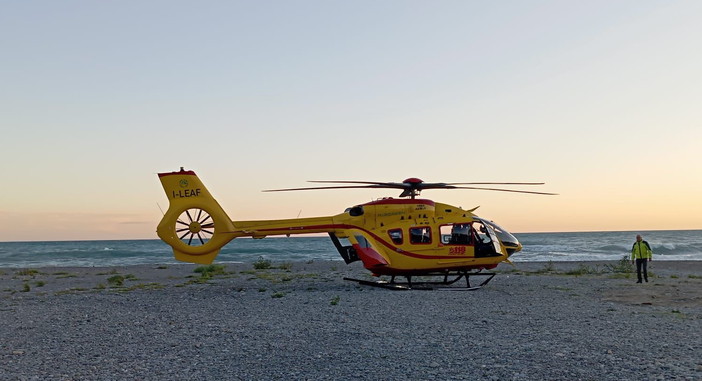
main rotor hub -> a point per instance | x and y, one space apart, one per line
413 180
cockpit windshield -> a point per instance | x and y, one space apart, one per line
503 235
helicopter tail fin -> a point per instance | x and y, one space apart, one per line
195 225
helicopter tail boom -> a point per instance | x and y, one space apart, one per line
195 225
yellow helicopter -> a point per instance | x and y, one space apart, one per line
404 236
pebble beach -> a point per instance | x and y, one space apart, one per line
303 321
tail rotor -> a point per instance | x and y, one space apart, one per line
196 227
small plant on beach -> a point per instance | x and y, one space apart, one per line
285 266
116 281
27 272
262 264
335 300
210 270
143 286
693 276
65 275
622 266
582 270
73 290
278 295
548 268
203 279
26 288
679 314
40 283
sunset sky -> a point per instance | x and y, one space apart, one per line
599 99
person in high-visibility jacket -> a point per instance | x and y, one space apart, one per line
641 253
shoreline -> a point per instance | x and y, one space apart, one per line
301 320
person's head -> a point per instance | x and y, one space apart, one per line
638 238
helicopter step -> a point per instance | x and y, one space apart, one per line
445 285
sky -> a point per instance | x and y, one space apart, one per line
598 99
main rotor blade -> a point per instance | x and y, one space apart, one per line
314 188
495 183
502 190
422 184
348 182
371 184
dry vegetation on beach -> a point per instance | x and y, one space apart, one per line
672 283
564 320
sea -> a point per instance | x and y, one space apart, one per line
673 245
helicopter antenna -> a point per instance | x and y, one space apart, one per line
159 207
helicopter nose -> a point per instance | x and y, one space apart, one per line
510 242
512 247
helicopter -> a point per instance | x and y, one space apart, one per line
406 236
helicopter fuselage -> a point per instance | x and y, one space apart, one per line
389 236
398 236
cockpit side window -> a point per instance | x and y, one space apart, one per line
481 233
420 235
396 236
456 234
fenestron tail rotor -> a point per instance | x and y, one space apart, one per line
195 227
412 187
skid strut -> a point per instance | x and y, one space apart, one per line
450 278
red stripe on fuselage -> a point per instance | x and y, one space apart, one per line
377 238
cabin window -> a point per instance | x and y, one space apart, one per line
456 234
396 236
420 235
355 211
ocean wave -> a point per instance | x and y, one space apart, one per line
613 248
676 249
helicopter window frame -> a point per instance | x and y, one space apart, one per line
424 239
396 239
450 238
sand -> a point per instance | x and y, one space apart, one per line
564 320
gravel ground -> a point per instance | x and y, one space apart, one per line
304 322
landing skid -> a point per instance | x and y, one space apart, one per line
445 285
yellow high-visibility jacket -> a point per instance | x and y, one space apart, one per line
641 250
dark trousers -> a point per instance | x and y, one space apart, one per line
642 263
